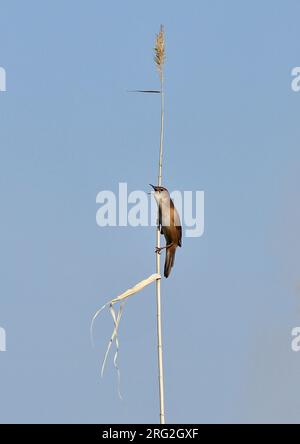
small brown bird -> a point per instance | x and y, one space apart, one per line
169 224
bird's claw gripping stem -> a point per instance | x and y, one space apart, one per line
158 249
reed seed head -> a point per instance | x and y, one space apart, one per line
159 49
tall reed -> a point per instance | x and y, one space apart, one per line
159 61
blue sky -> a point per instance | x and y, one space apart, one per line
69 129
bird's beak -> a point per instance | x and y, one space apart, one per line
154 187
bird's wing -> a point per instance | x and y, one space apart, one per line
177 223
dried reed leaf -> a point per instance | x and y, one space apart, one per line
116 319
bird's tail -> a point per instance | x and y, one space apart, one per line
170 259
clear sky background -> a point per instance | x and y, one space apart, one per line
69 129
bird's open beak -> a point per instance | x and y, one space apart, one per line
154 187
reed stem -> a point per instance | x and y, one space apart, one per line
159 61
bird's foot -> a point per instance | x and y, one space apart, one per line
158 250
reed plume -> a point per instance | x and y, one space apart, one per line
159 50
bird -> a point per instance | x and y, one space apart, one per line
169 225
